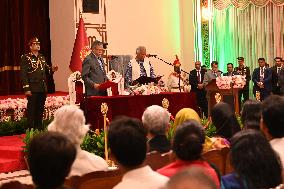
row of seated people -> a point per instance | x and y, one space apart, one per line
252 156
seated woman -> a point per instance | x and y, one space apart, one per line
188 114
255 163
70 121
156 119
251 114
187 146
226 123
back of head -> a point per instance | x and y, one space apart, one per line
127 141
186 114
273 115
224 119
190 179
50 157
188 141
251 114
156 119
254 160
70 121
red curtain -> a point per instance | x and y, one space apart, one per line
21 20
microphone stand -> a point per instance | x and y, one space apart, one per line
179 82
169 64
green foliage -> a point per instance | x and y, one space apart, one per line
210 129
171 130
30 133
94 143
9 128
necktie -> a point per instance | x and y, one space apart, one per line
261 71
198 76
100 60
278 69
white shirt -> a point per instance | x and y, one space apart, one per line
87 162
278 145
142 178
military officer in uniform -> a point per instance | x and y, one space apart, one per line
33 74
243 70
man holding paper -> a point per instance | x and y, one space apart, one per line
139 66
93 71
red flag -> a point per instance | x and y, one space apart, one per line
81 48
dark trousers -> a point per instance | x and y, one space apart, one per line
202 101
245 94
35 110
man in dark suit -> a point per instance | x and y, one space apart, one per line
33 75
230 70
196 78
261 78
275 70
245 71
93 71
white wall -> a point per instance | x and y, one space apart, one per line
62 35
165 27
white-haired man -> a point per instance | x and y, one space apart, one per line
138 66
156 120
69 120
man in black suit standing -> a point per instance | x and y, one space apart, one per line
230 70
196 78
245 71
275 70
93 71
261 78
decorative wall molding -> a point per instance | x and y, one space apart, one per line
243 4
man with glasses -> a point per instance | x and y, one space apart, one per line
138 66
93 71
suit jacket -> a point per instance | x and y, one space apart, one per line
281 80
193 80
266 79
274 79
209 75
33 72
92 73
244 71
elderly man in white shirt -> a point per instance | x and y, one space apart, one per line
272 123
128 144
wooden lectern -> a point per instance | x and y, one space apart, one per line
224 94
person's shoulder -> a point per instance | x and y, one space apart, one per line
27 55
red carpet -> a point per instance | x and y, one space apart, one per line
11 155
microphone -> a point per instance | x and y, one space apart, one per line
151 55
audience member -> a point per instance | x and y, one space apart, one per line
156 119
186 114
70 121
225 121
251 114
255 163
191 178
272 123
188 145
50 157
128 145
